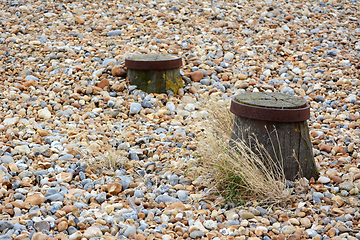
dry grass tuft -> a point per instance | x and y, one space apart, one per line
239 174
106 161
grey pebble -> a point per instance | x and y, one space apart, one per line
286 28
173 180
219 86
124 184
66 157
224 64
288 90
166 198
114 33
34 209
41 173
263 212
129 230
318 195
5 225
100 198
5 237
344 193
7 159
80 205
348 217
316 30
19 196
146 104
197 234
183 195
110 103
18 226
138 194
71 230
312 233
133 155
283 70
55 197
205 81
232 223
346 186
332 53
82 176
219 69
42 225
51 191
135 108
31 77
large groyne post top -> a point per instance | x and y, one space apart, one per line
278 122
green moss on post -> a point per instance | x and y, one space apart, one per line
159 81
155 73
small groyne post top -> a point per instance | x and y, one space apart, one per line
155 73
153 61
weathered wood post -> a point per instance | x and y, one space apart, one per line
155 73
279 123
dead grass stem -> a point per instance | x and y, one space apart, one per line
238 172
107 160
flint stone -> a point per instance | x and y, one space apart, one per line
5 225
166 198
114 33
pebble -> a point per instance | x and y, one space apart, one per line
44 113
76 236
229 56
129 230
346 186
92 232
118 71
288 90
287 230
247 215
210 224
241 84
5 225
197 76
135 108
35 198
165 199
197 234
6 159
305 222
324 179
42 225
39 236
114 33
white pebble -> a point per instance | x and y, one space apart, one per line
98 73
267 73
44 113
190 107
10 121
229 56
210 224
324 179
170 106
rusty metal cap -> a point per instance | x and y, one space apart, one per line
274 107
153 61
